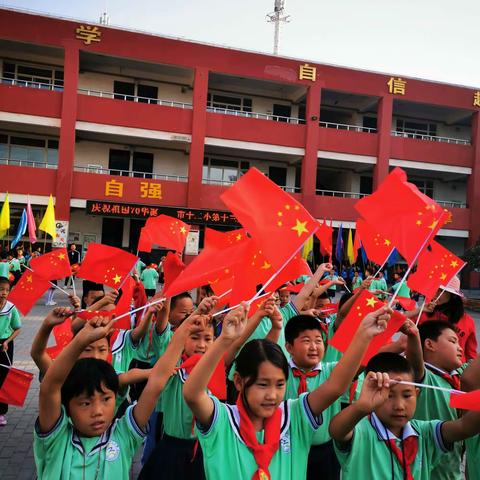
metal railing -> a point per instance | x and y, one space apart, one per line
344 126
432 138
337 193
227 183
451 203
134 98
130 173
260 116
31 84
26 163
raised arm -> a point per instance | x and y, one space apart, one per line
345 370
470 378
309 286
414 349
277 325
195 388
50 399
161 321
142 327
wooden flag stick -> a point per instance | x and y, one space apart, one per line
422 385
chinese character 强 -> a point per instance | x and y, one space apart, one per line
151 190
307 72
88 34
397 86
113 189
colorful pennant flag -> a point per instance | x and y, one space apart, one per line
164 231
339 245
32 229
307 250
14 389
5 217
52 265
48 221
22 228
357 244
27 291
350 253
106 265
278 223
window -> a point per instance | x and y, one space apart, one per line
416 129
223 172
425 186
228 102
143 164
45 77
366 184
28 151
119 162
370 122
129 91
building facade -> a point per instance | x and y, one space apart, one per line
118 125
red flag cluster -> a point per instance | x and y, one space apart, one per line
164 231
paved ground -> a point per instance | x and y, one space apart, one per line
16 452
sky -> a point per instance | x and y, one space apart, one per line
432 39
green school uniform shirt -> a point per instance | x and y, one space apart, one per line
404 290
473 457
357 282
368 455
139 266
149 278
225 455
325 369
436 404
9 320
63 455
4 269
14 265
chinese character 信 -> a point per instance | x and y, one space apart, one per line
307 72
113 189
397 86
88 34
151 190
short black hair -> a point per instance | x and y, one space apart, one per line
432 329
389 362
4 281
177 298
89 375
298 324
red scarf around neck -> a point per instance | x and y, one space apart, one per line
410 449
263 453
302 386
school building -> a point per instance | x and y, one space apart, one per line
119 125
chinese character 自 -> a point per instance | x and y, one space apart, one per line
113 189
397 86
88 34
476 99
307 72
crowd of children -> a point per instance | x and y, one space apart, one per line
245 395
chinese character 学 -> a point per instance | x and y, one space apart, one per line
476 99
396 86
151 190
307 72
113 189
88 34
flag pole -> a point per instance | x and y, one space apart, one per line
409 269
235 306
384 263
421 310
51 283
143 307
423 385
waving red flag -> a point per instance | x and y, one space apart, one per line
401 213
14 388
466 401
52 265
294 269
278 223
436 267
217 384
27 291
107 265
324 235
164 231
377 247
172 268
144 242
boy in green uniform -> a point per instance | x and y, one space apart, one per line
14 267
76 435
4 266
304 343
149 278
9 328
403 290
375 437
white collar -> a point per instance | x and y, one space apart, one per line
7 307
292 364
385 434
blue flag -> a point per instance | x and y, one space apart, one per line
22 228
392 259
364 255
339 246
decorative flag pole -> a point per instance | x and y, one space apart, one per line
422 385
384 263
135 310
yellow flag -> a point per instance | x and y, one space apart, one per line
307 250
350 255
48 221
5 217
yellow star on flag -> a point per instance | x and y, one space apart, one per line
61 256
371 302
183 230
29 279
433 225
443 276
117 278
300 227
454 264
265 265
387 242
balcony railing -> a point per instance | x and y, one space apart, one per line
344 126
260 116
134 98
31 84
451 204
129 173
337 193
26 163
432 138
227 183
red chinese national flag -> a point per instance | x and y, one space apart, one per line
52 265
166 232
14 388
172 268
27 291
217 384
144 242
401 213
436 267
324 235
107 265
219 240
377 247
294 269
277 222
63 333
466 401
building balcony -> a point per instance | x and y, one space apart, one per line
350 128
418 135
229 110
22 179
98 169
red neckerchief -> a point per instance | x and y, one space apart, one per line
302 386
263 453
407 455
453 380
